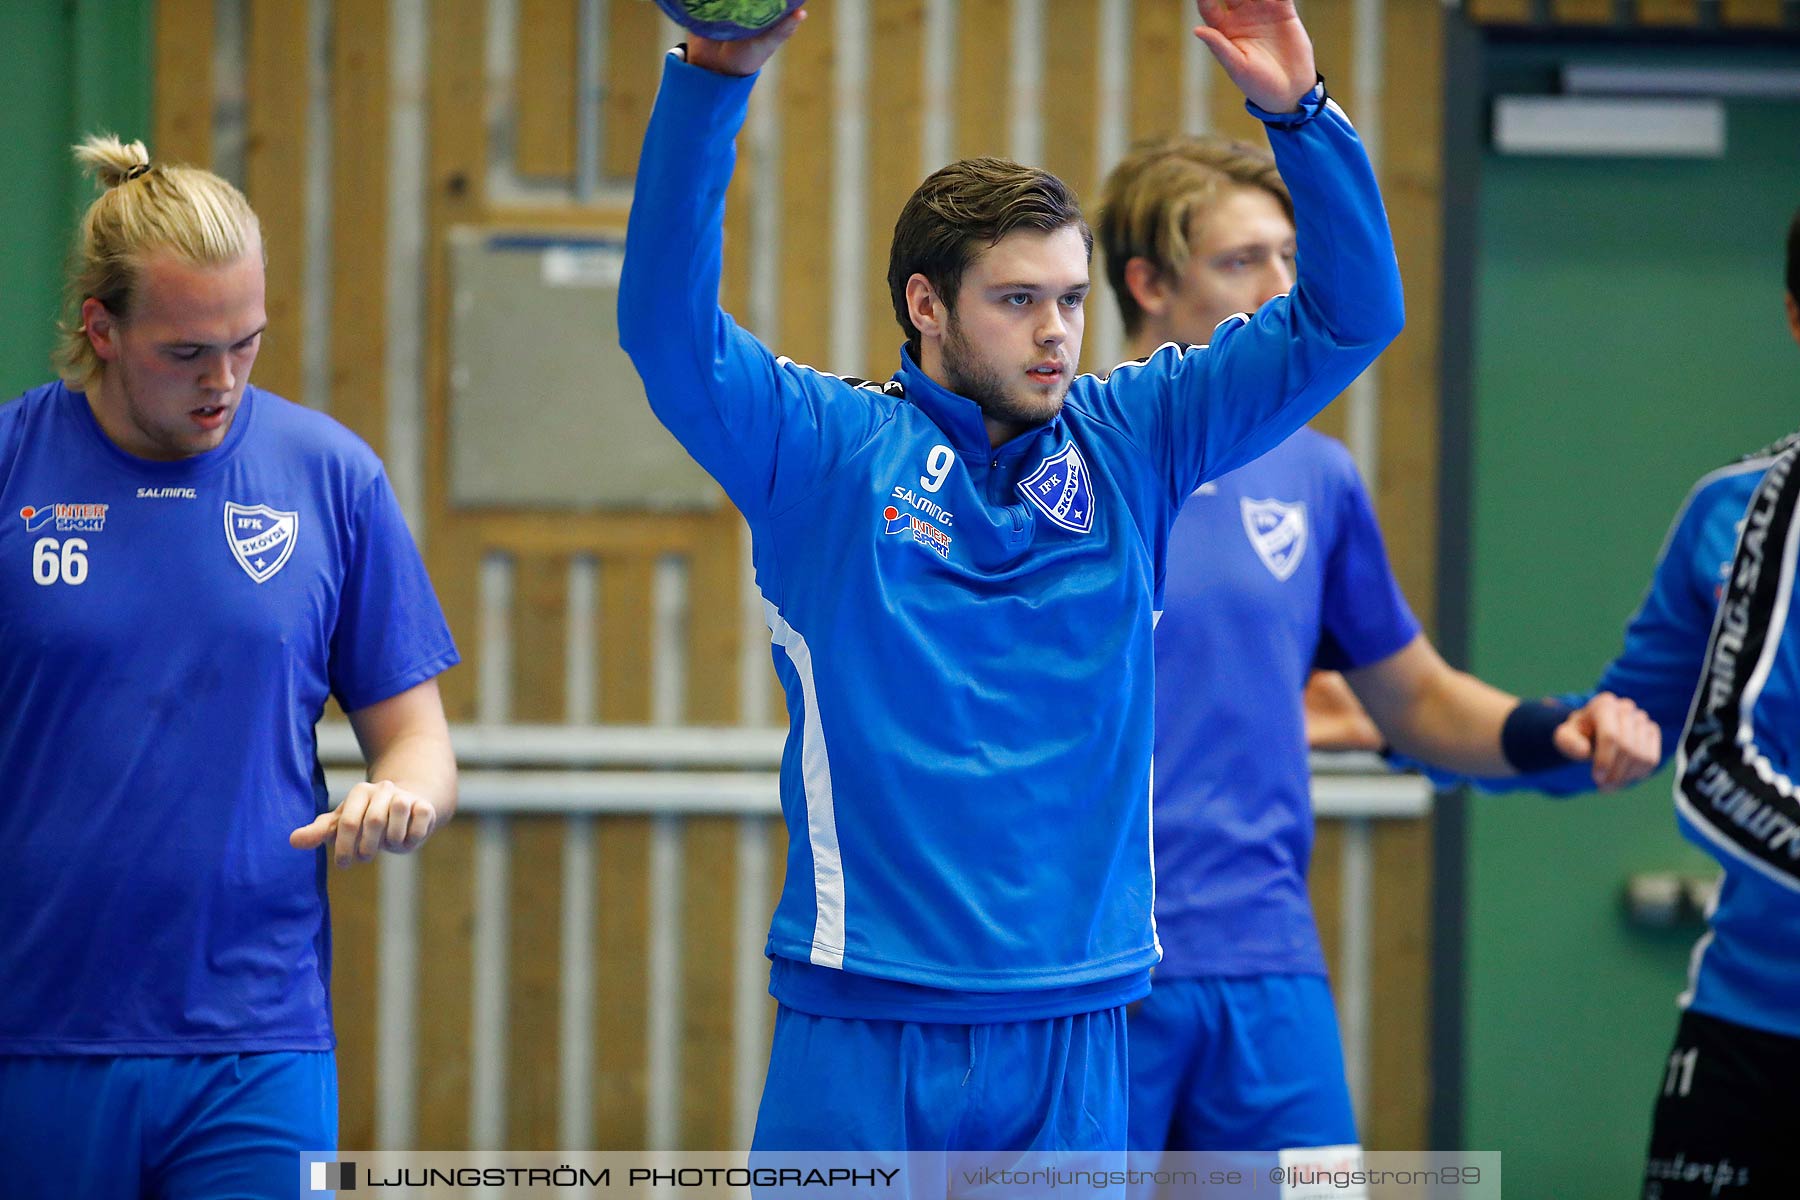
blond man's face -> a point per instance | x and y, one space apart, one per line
173 372
1240 256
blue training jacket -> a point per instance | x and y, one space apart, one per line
963 631
1746 968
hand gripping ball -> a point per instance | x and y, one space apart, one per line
727 20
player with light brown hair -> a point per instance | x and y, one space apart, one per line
1274 569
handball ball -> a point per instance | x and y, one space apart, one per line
727 20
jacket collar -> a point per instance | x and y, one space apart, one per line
960 417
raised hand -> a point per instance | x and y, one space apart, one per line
1621 739
744 56
1263 47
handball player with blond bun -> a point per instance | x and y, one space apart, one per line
189 567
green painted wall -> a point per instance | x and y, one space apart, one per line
67 67
1629 338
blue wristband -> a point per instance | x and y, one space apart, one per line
1528 737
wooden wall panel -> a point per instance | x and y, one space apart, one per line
1334 420
183 91
1067 107
458 592
455 181
633 66
445 1018
1069 110
1229 118
1668 12
1406 495
544 88
1160 32
455 186
1334 47
621 1005
621 1008
710 862
1501 12
624 649
1751 13
534 974
707 951
1324 883
1399 1002
539 601
983 80
354 931
628 534
1582 12
1408 502
1395 1104
1406 498
715 626
359 191
896 64
1333 36
274 170
806 100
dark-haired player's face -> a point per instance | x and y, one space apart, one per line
175 372
1241 256
1014 337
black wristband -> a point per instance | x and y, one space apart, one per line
1528 738
1311 105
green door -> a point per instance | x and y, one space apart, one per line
1629 336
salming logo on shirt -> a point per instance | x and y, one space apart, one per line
1726 785
929 522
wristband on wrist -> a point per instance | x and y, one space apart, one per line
1528 736
1311 104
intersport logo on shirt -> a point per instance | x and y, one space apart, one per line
923 532
68 518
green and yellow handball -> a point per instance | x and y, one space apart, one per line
727 20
